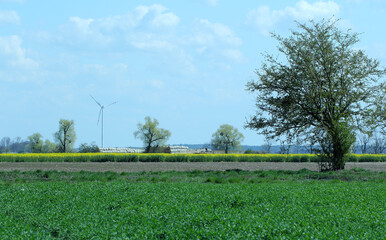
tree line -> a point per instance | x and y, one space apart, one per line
64 140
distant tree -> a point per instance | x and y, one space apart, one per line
318 91
5 143
267 145
379 144
65 137
35 143
227 138
85 148
152 136
374 118
364 140
284 148
18 145
49 147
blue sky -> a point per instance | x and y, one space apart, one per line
182 62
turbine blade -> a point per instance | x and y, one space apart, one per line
96 101
111 104
99 117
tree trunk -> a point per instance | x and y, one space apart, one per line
147 149
342 141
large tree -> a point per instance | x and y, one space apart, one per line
316 89
65 137
35 143
227 138
152 136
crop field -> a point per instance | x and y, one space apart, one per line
193 205
162 157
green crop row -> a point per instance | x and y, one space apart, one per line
120 210
162 157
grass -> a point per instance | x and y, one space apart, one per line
229 176
193 205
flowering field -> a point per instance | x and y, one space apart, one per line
163 157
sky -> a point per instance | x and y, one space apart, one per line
183 62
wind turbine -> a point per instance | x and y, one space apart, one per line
101 113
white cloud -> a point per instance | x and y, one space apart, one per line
79 29
152 44
304 10
156 16
9 17
264 18
234 54
104 70
211 2
14 54
83 25
207 33
144 27
161 19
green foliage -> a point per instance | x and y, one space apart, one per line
152 136
49 147
227 138
335 145
85 148
65 137
121 210
323 86
249 151
35 143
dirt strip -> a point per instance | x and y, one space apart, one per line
173 166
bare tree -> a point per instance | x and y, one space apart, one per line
267 145
364 140
379 144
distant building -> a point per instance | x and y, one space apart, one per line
120 150
187 150
168 149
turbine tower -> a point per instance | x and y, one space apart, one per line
101 113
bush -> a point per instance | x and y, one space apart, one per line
85 148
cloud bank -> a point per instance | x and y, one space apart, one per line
265 19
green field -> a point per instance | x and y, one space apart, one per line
193 205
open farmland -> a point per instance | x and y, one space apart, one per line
281 206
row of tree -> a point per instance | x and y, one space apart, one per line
226 138
154 138
64 140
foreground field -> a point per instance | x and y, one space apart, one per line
192 205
